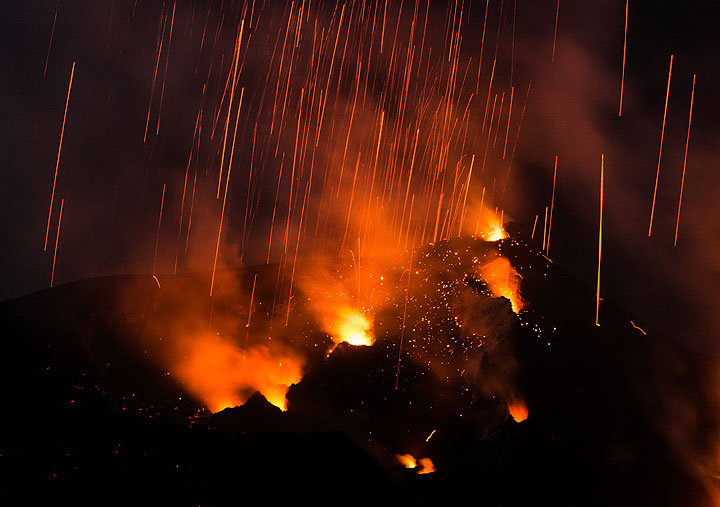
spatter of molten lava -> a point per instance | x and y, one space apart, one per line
518 410
503 280
421 466
222 375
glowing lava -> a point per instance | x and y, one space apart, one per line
496 233
518 410
352 327
407 460
503 280
222 375
426 466
421 466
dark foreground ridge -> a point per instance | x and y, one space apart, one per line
86 396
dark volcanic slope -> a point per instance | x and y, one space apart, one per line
608 405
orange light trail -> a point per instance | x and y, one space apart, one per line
517 137
662 137
157 238
687 142
622 79
227 184
57 162
532 236
52 34
57 238
552 205
638 328
557 12
602 183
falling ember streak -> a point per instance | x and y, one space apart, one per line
557 12
552 204
57 238
161 35
430 435
227 121
517 137
157 238
157 281
167 59
532 236
662 137
52 34
482 45
247 326
602 182
687 142
638 328
227 183
57 162
622 79
507 130
545 227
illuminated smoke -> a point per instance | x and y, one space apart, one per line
222 375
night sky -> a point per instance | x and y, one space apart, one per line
110 179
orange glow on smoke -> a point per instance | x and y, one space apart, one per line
350 326
426 466
518 410
503 280
421 466
221 375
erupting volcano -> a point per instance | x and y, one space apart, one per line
362 249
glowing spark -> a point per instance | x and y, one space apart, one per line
622 79
52 34
636 327
57 162
545 226
557 12
602 182
57 238
222 213
552 204
247 326
662 137
430 435
517 137
687 142
157 238
157 281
